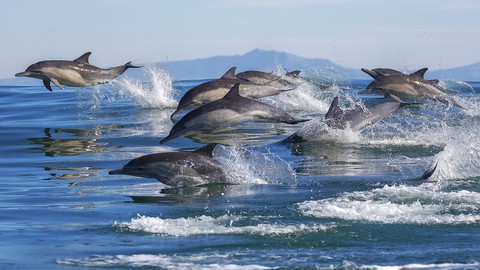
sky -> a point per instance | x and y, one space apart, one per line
405 34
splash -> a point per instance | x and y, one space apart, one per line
250 167
460 158
400 204
154 91
316 88
207 225
158 93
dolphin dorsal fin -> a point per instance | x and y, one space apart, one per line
334 109
83 59
207 149
230 74
234 92
294 73
420 72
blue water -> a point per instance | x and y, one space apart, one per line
351 202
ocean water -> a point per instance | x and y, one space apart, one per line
352 201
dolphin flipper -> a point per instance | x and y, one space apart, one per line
56 83
47 85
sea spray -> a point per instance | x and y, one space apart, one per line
460 158
155 90
251 167
158 92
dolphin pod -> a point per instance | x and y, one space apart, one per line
230 110
76 73
229 101
216 89
397 85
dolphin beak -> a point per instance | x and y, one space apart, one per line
366 91
23 74
117 171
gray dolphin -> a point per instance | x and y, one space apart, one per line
216 89
76 73
178 168
269 78
412 86
230 110
356 119
380 72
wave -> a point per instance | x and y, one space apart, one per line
161 260
207 225
424 204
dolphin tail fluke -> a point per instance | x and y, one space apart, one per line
296 121
294 138
294 73
127 66
429 172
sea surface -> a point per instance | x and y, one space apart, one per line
351 201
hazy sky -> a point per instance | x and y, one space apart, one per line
369 33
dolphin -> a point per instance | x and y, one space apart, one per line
76 73
178 168
269 78
355 119
380 72
412 86
230 110
216 89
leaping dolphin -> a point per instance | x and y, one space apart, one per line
270 79
76 73
412 86
216 89
380 72
178 168
356 119
230 110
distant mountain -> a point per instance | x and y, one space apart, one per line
216 66
465 73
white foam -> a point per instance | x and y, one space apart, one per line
206 225
158 93
439 266
252 167
425 204
460 158
180 262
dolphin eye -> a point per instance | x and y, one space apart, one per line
140 168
